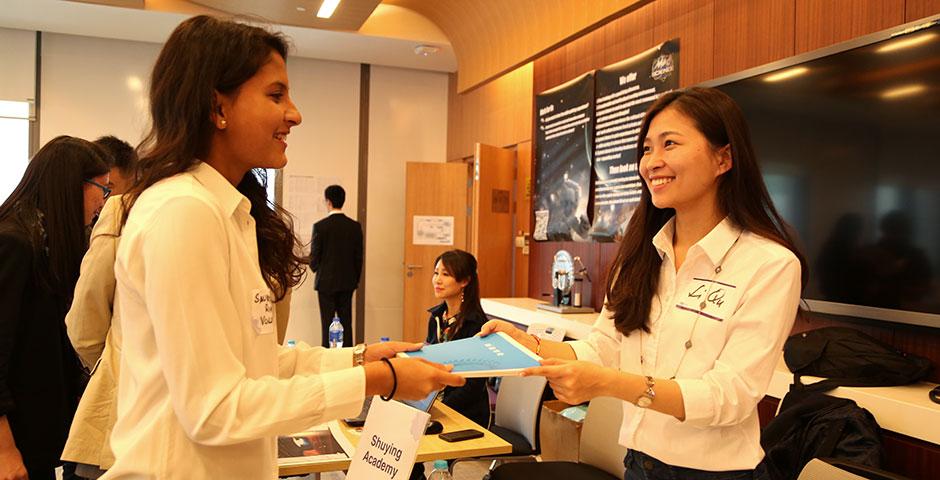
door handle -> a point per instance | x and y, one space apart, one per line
410 266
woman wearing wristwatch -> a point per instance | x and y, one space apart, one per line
700 299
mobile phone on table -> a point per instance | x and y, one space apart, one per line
460 435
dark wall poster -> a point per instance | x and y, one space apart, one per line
563 147
623 92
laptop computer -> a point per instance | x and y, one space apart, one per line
424 405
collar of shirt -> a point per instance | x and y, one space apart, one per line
228 197
334 212
715 244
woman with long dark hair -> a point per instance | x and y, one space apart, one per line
700 299
459 315
204 388
42 240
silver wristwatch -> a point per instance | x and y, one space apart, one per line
359 354
646 399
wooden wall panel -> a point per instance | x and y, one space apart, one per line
750 33
820 23
918 9
498 113
693 23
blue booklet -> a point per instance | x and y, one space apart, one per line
496 355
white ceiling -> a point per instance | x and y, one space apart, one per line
387 38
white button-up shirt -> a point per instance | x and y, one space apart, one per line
204 388
750 307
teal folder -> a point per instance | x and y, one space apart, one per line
496 355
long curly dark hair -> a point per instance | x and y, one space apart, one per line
205 55
633 278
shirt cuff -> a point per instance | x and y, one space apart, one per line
344 391
336 359
697 401
584 351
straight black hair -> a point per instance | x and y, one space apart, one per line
463 267
49 205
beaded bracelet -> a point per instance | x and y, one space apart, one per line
538 344
394 381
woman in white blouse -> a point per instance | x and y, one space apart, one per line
702 294
204 388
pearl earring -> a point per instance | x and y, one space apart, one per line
223 123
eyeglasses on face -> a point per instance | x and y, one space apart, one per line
105 189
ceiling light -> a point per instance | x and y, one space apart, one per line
425 50
301 9
786 74
907 42
904 91
327 8
134 83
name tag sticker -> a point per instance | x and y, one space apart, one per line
709 298
262 311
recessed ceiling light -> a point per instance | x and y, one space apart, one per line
905 91
301 9
327 8
907 42
425 50
786 74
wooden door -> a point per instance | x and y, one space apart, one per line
491 239
435 193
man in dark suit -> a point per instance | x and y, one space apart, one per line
336 258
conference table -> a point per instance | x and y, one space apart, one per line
431 447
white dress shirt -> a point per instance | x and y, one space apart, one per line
204 388
750 307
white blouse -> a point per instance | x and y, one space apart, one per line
736 341
204 388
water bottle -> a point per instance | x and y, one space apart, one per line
440 471
336 333
383 339
292 343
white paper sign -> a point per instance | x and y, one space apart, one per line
428 230
389 442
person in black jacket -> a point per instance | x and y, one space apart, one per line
42 240
336 258
459 315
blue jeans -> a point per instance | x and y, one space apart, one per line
640 466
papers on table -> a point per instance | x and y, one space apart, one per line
321 444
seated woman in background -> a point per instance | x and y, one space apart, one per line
459 315
42 240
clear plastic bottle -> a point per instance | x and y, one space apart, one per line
440 471
336 333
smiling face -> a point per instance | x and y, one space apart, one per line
255 120
445 285
94 197
679 166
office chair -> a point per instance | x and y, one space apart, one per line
600 456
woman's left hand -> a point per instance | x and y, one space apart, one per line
575 381
378 351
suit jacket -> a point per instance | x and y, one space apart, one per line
336 255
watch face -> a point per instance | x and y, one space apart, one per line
644 401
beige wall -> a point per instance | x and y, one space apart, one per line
18 58
408 123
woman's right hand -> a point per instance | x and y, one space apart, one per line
416 378
517 334
11 465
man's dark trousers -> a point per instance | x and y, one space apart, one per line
336 258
